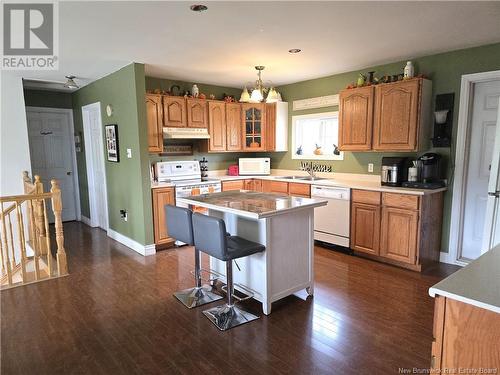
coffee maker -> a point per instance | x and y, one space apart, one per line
429 165
394 170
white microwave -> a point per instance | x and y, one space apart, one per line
254 166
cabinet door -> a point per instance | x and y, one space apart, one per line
270 140
253 116
196 113
365 227
233 185
399 234
233 127
174 111
356 119
154 114
299 190
269 186
161 197
396 116
217 126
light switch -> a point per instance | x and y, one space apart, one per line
370 167
129 153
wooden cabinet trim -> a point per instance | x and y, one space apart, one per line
366 196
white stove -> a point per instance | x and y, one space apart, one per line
186 176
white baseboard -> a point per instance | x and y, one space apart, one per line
134 245
85 220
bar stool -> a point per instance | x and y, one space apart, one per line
180 227
210 237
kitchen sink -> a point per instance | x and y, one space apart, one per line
310 178
290 177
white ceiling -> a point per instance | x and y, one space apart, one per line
221 46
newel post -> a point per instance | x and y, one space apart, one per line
62 266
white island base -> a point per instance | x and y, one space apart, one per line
285 267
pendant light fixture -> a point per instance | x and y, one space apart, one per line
258 93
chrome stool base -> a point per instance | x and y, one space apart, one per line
226 317
197 296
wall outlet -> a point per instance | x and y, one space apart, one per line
129 153
370 167
124 215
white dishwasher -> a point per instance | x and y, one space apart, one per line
332 222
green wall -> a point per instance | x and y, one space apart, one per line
127 181
44 98
216 161
445 71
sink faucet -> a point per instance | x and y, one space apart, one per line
309 168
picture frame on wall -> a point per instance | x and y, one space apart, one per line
112 147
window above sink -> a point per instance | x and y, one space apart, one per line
315 136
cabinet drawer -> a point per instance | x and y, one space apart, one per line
400 200
233 185
366 196
303 190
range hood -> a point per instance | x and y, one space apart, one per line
185 133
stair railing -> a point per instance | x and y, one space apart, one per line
28 213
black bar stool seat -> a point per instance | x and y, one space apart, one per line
180 227
210 237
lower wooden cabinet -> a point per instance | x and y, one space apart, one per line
269 186
253 185
299 190
400 229
161 197
365 227
233 185
466 337
398 235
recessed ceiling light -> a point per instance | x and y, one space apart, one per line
198 8
294 50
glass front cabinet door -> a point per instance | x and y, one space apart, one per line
254 126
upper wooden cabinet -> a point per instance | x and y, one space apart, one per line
196 113
356 119
217 126
174 111
233 127
253 119
154 118
387 117
276 121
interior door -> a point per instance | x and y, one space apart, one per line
50 142
482 139
491 236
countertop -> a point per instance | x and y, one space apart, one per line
251 204
477 284
346 180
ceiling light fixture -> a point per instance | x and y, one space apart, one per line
294 50
259 91
198 8
70 83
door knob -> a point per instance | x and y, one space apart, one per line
68 173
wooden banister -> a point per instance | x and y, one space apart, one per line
17 266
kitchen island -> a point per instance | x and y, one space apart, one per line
283 224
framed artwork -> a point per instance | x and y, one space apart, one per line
112 148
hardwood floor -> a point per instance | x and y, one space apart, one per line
115 314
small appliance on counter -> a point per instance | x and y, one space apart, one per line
233 170
394 171
428 173
254 166
204 169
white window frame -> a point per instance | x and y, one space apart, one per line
313 157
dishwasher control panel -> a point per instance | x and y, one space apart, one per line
331 192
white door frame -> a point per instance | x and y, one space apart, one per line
87 135
73 150
454 255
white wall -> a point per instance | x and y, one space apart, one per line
14 144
